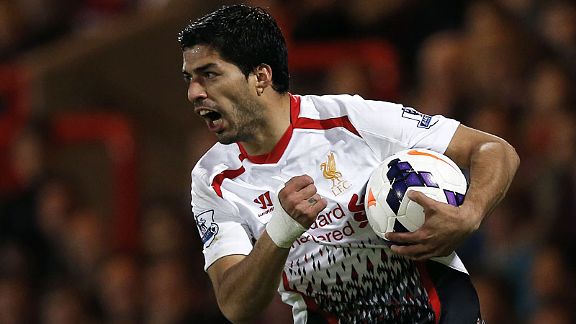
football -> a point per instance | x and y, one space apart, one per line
388 208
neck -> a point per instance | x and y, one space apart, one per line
277 115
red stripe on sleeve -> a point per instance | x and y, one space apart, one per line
226 174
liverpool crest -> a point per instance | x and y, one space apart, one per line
330 172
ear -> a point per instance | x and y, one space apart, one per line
263 73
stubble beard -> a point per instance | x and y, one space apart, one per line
246 120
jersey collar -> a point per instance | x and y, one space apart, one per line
276 153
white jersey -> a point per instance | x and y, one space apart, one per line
339 269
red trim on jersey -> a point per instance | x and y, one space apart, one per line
285 282
226 174
431 290
275 155
307 123
294 108
310 303
297 122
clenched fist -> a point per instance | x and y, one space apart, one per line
300 200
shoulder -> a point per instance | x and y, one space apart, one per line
217 159
330 102
339 105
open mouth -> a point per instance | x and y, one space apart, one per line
212 118
210 115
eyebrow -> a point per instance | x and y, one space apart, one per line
201 68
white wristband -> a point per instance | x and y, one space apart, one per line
283 229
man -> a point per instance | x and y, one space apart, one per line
271 218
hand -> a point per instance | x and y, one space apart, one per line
443 230
300 200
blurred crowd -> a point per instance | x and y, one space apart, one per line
507 67
26 24
59 263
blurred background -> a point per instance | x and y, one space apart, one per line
97 142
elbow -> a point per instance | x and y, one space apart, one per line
237 316
500 148
238 311
513 158
516 161
502 151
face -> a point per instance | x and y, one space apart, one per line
222 95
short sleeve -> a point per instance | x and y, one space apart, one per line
221 230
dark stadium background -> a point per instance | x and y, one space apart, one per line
97 141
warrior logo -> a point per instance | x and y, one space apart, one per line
330 172
264 200
207 232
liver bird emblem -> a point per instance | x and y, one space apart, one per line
329 170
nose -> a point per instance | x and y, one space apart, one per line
196 91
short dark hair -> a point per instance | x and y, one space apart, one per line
246 37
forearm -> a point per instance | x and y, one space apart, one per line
248 286
245 285
492 168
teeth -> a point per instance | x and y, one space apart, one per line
204 112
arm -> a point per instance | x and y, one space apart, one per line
245 285
492 163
